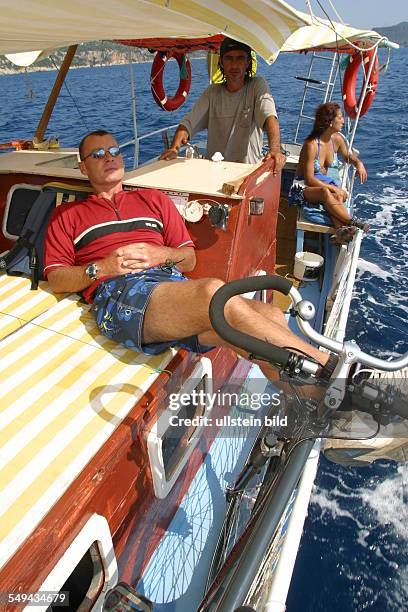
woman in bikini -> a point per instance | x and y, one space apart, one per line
318 155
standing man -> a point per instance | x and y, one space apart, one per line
236 113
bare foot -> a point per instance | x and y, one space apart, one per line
343 234
360 224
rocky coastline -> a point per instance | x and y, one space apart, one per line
87 55
106 53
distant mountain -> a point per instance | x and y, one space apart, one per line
105 53
397 33
101 53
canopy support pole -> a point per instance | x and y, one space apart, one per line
134 113
49 107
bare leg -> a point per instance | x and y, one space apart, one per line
178 310
273 313
333 204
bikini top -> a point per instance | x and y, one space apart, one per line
334 164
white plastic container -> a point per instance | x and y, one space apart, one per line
307 266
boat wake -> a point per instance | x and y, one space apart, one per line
371 525
356 537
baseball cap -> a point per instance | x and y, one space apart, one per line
229 44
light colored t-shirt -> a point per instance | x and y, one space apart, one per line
234 120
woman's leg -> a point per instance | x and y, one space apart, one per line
333 204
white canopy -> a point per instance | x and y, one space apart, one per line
322 34
28 25
268 26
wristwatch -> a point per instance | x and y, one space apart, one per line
91 270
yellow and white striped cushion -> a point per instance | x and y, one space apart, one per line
64 388
18 304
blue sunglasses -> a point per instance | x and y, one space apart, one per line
100 153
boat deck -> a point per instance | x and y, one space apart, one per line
72 387
64 389
202 177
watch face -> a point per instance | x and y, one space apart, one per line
92 271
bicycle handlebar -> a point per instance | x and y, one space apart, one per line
378 396
255 346
338 347
274 354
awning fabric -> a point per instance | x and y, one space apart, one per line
29 25
25 59
322 35
184 45
268 26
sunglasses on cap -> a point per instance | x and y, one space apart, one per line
100 153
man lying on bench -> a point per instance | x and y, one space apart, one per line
126 251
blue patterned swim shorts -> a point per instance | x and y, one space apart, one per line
120 304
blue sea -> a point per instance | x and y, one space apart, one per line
354 551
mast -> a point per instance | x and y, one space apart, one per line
49 107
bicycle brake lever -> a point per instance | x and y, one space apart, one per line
336 390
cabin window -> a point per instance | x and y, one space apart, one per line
84 583
176 432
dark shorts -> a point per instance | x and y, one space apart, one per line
120 304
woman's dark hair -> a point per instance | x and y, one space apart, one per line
325 114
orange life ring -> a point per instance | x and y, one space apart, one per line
156 79
350 79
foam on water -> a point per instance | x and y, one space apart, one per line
368 266
375 515
331 506
386 497
380 301
355 545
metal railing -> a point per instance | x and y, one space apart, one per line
341 291
314 84
136 142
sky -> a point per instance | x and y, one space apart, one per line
360 13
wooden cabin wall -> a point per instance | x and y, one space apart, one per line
249 242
